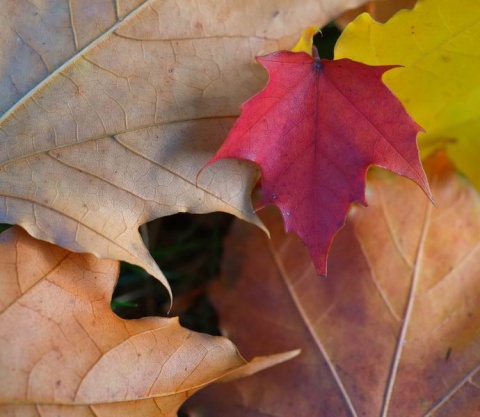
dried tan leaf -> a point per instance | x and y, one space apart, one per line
393 331
63 351
111 108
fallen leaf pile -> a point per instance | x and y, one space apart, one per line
109 110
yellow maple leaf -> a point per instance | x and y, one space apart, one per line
305 42
439 83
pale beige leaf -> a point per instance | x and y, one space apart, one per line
38 37
393 331
64 352
111 108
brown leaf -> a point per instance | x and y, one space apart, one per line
381 11
393 331
64 352
111 108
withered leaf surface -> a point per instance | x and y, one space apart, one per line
393 331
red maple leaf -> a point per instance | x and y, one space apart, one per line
314 130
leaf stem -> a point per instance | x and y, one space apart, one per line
307 321
454 390
408 313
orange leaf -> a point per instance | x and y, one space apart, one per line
63 351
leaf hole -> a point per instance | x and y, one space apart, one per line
188 250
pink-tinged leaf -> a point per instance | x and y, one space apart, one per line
314 130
